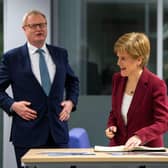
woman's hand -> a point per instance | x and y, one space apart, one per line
110 132
133 142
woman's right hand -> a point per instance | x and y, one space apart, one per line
110 132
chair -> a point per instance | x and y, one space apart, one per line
78 138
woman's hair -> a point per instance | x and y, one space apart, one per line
29 13
135 44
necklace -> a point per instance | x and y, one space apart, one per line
132 83
131 92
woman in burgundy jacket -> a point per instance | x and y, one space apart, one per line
139 113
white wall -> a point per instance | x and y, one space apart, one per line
13 37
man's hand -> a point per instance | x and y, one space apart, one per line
22 109
67 108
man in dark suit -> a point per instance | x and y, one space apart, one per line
39 117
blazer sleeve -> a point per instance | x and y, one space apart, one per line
160 112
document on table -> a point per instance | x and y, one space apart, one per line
121 148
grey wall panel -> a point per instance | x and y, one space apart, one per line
13 37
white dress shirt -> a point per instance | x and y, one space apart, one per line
34 58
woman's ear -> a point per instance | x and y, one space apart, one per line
139 61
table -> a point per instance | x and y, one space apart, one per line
87 158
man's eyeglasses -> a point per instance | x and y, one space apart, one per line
34 26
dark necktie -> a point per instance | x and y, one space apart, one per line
45 79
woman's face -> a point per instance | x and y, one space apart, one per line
128 65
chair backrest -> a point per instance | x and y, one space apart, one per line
78 138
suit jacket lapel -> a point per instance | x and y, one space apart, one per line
54 56
26 64
25 60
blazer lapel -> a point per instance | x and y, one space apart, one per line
140 92
120 93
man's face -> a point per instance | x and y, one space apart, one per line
35 30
